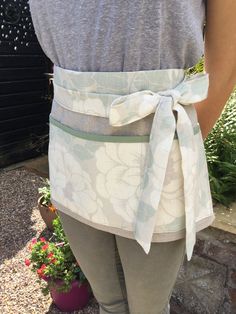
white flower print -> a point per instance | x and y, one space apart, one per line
118 178
71 184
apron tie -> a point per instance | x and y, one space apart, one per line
135 106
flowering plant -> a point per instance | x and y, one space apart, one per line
53 260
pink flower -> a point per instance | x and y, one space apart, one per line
44 247
53 260
50 255
40 271
27 262
42 239
34 240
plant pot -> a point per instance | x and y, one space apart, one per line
46 214
75 299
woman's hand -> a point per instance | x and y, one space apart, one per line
220 61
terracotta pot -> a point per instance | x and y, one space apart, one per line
75 299
46 214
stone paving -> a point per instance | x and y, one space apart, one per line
207 284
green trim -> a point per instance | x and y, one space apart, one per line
196 129
106 138
100 137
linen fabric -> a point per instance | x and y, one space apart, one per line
150 188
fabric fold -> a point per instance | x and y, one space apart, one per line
127 109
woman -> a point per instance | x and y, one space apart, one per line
126 158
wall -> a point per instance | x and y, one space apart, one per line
24 103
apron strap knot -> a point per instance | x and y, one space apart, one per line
174 94
129 108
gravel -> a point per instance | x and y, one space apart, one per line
20 222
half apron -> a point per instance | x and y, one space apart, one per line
151 187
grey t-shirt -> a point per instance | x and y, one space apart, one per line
120 35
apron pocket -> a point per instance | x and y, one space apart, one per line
98 177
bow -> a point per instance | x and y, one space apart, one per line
129 108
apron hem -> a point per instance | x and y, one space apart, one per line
157 237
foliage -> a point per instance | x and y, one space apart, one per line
199 67
221 155
45 192
220 147
53 260
46 196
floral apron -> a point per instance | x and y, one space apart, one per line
130 182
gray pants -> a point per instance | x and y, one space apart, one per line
123 278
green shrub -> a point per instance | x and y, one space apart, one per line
220 147
221 154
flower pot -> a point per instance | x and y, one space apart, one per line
46 214
75 299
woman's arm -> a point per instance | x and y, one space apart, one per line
220 61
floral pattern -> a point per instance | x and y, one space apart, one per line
110 173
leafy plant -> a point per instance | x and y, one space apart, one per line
199 67
53 260
46 195
45 192
221 154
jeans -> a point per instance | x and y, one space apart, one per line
123 278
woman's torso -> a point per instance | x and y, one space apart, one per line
120 35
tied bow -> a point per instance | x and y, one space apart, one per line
135 106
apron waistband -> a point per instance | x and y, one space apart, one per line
125 97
